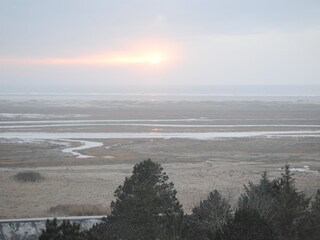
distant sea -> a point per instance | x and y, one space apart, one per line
309 93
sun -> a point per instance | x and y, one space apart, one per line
154 59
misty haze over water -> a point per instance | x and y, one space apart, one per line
172 93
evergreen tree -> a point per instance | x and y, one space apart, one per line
316 204
100 231
291 206
278 202
309 226
209 218
248 225
261 197
52 231
65 231
146 206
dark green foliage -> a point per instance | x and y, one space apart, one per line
146 206
309 226
28 176
100 231
291 206
248 225
209 218
52 230
261 196
64 231
316 204
278 202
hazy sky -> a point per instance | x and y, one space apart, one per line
98 43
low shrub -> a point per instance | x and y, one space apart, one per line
28 176
78 210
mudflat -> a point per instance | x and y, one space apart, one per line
85 147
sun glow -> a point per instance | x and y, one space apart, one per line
143 59
107 59
146 54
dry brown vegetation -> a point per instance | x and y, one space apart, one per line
79 210
195 166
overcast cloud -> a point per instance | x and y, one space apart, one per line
208 42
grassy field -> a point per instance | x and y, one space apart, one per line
196 166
